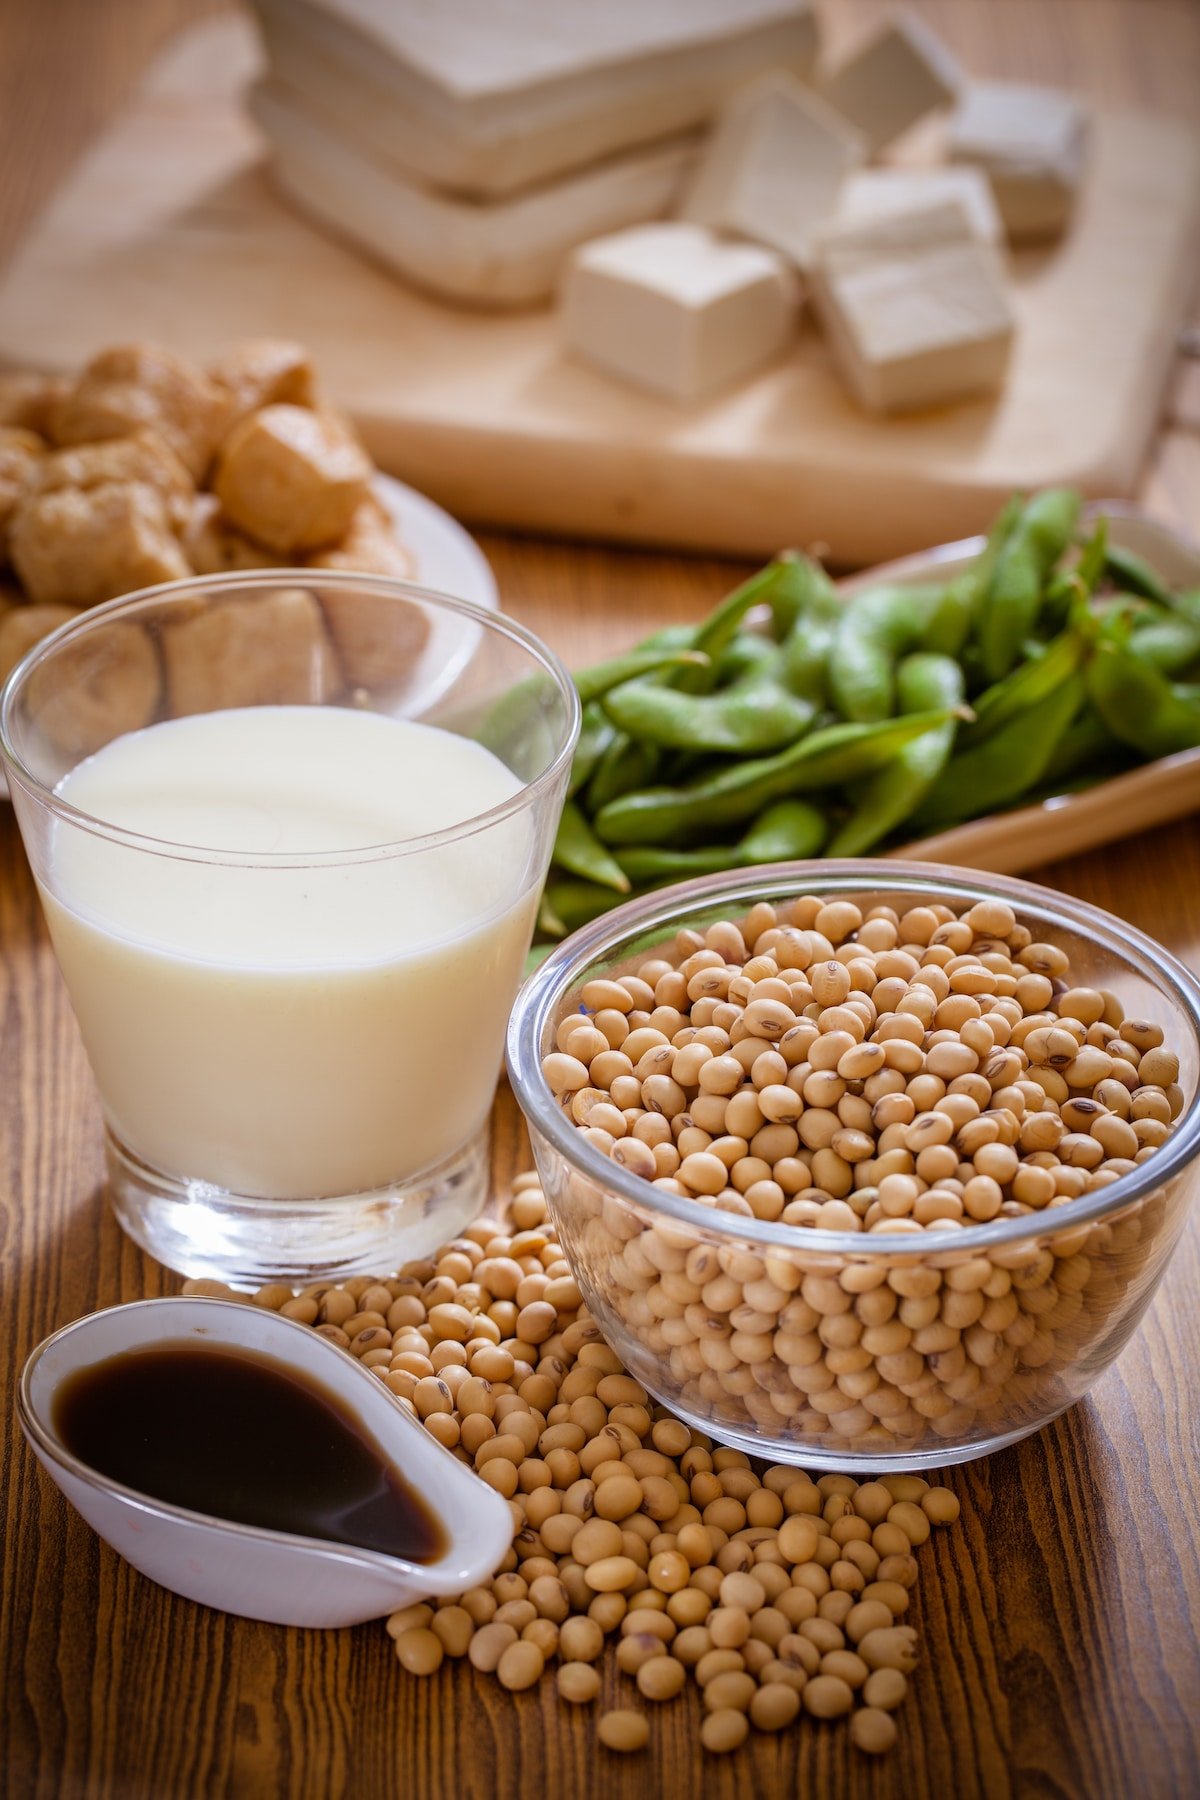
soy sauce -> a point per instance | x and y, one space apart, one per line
240 1437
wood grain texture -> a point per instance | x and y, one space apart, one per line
1060 1617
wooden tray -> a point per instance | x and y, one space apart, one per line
169 228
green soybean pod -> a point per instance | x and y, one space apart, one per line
596 733
995 773
715 633
1169 641
787 831
1135 575
1140 706
1026 686
579 851
887 799
875 628
602 677
826 758
754 713
1086 747
801 589
566 905
646 864
625 765
1013 592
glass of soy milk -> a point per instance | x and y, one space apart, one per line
289 831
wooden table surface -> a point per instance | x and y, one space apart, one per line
1060 1618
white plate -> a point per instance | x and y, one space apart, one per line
447 559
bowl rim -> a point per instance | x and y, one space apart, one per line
45 1440
669 908
129 605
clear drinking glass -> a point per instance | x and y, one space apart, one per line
293 951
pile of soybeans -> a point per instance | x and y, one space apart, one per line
778 1595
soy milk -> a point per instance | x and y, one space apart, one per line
323 1019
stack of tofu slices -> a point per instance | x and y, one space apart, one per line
683 173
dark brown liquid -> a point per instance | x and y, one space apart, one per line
231 1434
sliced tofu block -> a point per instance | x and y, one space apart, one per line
1031 143
486 98
673 309
485 253
892 80
915 308
773 167
869 194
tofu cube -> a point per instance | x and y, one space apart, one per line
915 308
291 479
673 309
870 194
773 167
893 79
1030 142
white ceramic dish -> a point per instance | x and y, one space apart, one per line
447 559
243 1569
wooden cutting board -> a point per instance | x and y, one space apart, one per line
169 229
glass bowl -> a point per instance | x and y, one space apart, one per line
1014 1319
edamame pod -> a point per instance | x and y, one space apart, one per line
754 713
566 905
1140 706
825 758
646 864
803 591
596 733
713 636
1009 605
1086 746
1135 575
1026 687
602 677
995 773
625 765
1169 641
889 798
788 831
579 851
877 627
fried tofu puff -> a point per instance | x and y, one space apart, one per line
145 457
75 546
215 547
28 401
141 387
268 650
20 453
265 372
93 689
376 651
292 479
21 627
